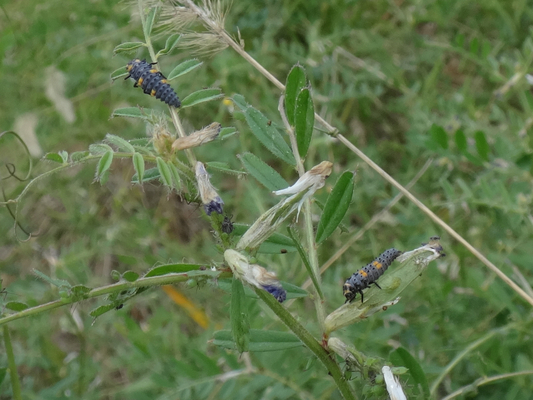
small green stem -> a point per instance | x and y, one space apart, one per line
167 279
309 341
15 382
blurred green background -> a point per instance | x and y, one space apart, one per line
405 81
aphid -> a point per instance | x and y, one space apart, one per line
368 275
152 81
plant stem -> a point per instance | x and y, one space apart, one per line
15 382
167 279
309 341
308 221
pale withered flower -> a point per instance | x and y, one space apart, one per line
254 274
198 138
210 198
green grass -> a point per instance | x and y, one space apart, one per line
419 66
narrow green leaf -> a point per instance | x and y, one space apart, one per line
119 73
53 157
102 310
122 144
460 141
60 283
128 47
149 22
264 173
132 112
439 135
296 81
99 149
79 155
482 145
130 276
201 96
474 46
260 340
240 324
103 166
15 306
268 135
275 244
149 175
225 168
402 358
336 206
171 43
304 121
164 171
240 101
184 67
173 269
227 132
303 256
176 180
138 164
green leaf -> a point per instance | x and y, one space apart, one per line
3 372
103 166
15 306
102 310
439 135
263 172
268 135
79 155
149 22
149 175
460 141
201 96
336 206
482 145
402 358
184 68
138 164
164 171
54 157
171 43
296 81
260 340
121 143
119 73
240 323
99 149
130 276
128 47
227 132
176 180
60 283
64 156
304 121
79 292
474 46
132 112
240 101
173 269
224 167
275 244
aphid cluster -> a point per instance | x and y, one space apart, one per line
368 275
152 82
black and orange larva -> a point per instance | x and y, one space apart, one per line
368 275
152 81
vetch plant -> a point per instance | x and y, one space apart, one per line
169 157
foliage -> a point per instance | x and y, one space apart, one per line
405 83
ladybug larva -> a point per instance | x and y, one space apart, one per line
152 81
368 275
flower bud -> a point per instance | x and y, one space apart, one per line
254 275
198 138
210 198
